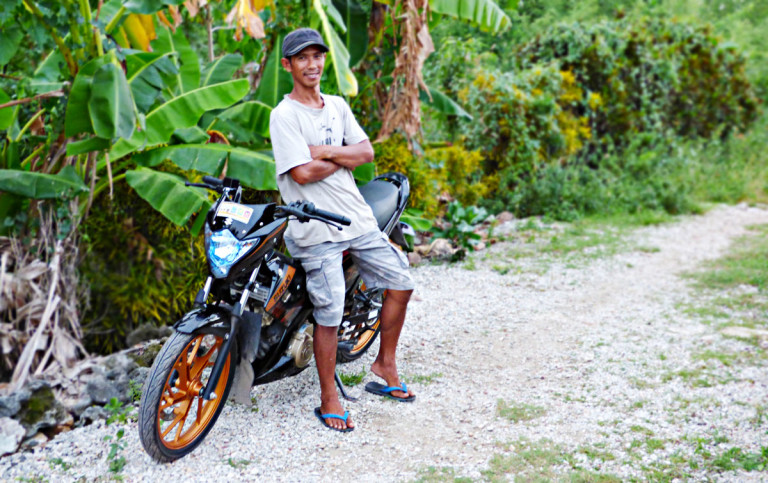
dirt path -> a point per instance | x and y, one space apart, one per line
588 367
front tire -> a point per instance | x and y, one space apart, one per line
173 417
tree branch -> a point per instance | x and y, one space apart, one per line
44 95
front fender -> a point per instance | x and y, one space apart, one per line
215 317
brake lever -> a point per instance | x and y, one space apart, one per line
326 221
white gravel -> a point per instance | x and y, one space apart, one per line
595 344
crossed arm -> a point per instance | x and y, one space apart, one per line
326 160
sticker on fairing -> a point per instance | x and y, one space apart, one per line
237 212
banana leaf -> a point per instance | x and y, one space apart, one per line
10 39
111 105
356 18
149 6
276 81
181 112
442 103
254 169
39 185
485 13
252 115
365 172
188 76
338 53
167 194
145 76
86 146
221 69
191 135
46 77
76 119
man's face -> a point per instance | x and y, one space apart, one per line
306 67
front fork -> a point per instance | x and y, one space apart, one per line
226 347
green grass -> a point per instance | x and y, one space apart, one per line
540 461
434 474
517 412
423 378
738 286
352 379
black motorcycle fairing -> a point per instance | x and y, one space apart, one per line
213 316
242 230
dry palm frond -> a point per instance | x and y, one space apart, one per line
245 14
39 301
403 108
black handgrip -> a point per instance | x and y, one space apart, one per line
341 220
212 181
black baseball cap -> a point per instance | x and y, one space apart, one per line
300 39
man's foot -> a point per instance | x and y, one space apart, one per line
389 374
339 424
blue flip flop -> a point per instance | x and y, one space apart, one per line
322 417
386 391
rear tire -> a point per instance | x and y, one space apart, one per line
173 417
355 341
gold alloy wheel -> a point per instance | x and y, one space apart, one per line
366 336
182 408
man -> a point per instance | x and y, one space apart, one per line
317 143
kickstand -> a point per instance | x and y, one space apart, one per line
341 388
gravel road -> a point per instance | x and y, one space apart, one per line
577 362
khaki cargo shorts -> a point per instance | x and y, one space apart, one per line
381 264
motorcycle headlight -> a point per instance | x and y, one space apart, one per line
224 250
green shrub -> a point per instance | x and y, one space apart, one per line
460 173
394 155
524 121
652 75
141 268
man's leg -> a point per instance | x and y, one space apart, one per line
392 319
325 341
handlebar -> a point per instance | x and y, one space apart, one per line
210 180
305 211
342 220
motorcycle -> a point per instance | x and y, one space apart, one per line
253 313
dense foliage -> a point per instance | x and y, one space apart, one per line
542 107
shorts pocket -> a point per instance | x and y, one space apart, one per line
317 283
404 263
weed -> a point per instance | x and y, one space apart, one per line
641 429
115 460
541 461
134 391
352 379
653 444
117 412
518 412
423 378
54 462
434 474
241 463
736 458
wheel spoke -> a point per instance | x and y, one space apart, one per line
204 361
199 409
193 352
170 426
187 406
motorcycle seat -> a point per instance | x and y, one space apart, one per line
382 197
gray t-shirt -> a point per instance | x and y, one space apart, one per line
293 128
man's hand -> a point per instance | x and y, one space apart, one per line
321 152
